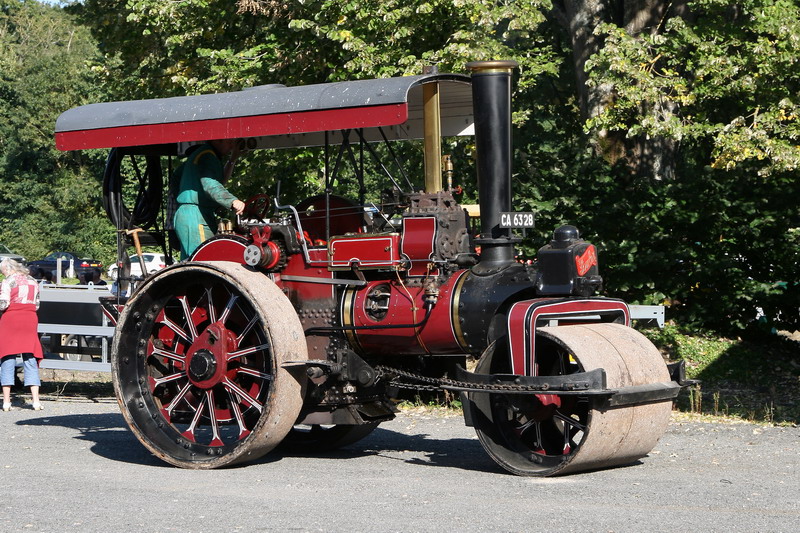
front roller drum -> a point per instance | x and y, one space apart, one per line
547 434
197 364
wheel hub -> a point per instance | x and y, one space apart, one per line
202 366
208 356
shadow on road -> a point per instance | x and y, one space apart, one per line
465 454
113 440
108 432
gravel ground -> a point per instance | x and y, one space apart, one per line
76 467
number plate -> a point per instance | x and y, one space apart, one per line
517 220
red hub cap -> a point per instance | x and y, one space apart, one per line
208 356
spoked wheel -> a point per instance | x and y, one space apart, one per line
197 364
546 434
323 438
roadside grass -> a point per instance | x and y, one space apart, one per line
747 380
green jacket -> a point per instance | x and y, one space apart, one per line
200 181
198 193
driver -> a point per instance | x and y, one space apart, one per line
200 191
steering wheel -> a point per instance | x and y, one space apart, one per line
257 207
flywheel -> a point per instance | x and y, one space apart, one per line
197 364
547 434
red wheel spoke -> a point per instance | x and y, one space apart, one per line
570 421
522 428
167 409
539 441
247 351
243 396
254 372
176 328
228 308
246 330
237 413
212 416
169 355
189 320
189 433
168 378
212 311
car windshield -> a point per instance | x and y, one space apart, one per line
148 258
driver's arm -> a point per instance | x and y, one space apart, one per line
209 167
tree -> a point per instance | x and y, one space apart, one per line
732 72
48 200
722 80
157 49
665 131
648 157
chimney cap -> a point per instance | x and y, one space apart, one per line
497 65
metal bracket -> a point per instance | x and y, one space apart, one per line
640 394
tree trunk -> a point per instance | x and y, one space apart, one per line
653 157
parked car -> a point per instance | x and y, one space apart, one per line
84 267
6 253
152 263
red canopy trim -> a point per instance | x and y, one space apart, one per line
231 128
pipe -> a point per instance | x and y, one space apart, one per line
432 124
491 102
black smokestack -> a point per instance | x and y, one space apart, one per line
491 102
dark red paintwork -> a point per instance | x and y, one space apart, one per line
221 249
366 251
231 128
524 317
419 239
406 306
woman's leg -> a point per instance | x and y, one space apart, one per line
35 397
32 380
7 378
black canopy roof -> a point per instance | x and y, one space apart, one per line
275 115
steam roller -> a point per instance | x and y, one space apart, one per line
302 320
547 434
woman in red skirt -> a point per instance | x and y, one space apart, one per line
19 301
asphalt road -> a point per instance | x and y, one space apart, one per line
76 467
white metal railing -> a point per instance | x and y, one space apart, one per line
83 306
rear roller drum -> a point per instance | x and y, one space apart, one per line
197 365
547 434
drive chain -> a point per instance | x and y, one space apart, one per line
426 383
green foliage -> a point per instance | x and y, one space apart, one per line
48 200
732 77
724 83
155 49
192 46
716 244
755 381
